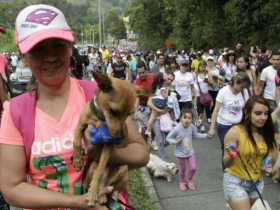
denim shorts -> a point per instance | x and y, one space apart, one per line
238 189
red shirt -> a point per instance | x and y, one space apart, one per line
147 85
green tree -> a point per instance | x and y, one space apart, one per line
255 22
149 18
115 25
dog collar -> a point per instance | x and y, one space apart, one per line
96 110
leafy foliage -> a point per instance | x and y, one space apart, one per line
138 196
115 25
205 23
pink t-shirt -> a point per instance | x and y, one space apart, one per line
50 161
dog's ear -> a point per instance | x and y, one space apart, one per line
103 82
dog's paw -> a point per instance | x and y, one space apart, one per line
169 179
102 199
92 199
78 164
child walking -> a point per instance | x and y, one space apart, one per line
182 136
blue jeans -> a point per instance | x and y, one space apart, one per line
160 138
222 131
237 189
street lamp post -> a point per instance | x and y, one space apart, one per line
100 23
93 37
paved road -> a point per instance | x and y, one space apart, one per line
208 180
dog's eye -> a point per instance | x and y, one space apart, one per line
115 112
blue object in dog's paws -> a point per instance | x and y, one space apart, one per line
102 135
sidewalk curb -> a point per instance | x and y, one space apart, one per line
149 185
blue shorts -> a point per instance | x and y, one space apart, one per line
238 189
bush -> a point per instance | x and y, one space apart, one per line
138 195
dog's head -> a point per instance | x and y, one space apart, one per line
172 168
116 100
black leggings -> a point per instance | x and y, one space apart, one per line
214 94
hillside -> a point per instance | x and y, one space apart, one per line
106 5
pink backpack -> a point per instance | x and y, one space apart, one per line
22 110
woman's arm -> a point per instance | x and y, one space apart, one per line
136 153
230 138
211 131
151 105
18 192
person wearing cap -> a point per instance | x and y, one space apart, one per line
229 66
45 42
213 80
184 84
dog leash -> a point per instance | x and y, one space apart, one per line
96 110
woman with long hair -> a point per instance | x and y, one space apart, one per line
254 138
243 65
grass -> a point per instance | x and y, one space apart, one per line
138 196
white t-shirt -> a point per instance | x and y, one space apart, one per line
182 83
231 106
202 84
268 76
230 70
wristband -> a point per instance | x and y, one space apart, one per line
232 150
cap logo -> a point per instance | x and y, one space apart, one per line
41 16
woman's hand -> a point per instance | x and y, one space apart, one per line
211 132
179 140
82 202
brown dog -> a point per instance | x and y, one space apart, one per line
113 103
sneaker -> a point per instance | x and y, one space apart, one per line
182 186
154 145
202 129
209 120
148 132
191 185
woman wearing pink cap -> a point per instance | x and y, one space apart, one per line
45 42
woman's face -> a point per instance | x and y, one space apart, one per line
184 68
241 64
231 58
170 78
259 115
49 61
210 64
201 68
238 86
173 66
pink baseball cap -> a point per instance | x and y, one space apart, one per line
39 22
